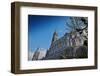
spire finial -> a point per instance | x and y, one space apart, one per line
55 36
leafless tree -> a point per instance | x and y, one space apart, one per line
78 24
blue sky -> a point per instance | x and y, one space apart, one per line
41 29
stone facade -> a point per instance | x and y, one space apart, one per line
39 54
65 46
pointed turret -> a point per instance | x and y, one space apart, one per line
55 37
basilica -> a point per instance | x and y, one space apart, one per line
71 45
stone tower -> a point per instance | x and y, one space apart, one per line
36 54
55 37
39 54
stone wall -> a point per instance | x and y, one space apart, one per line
68 46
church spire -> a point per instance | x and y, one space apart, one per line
55 37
